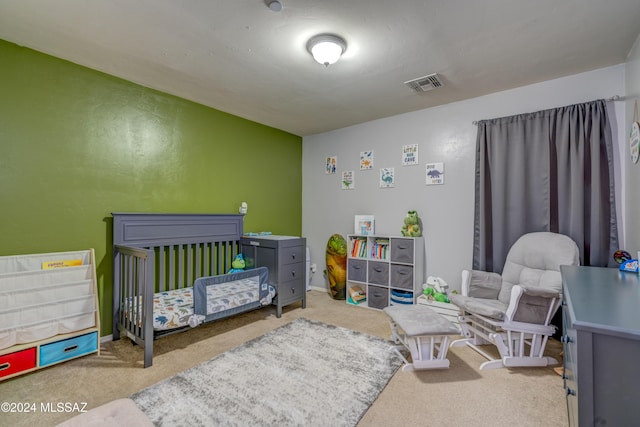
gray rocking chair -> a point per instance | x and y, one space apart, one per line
513 311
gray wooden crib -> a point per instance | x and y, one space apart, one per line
170 253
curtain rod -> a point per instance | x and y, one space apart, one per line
613 98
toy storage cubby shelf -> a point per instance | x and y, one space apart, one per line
389 270
48 310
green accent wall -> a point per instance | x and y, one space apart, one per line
77 144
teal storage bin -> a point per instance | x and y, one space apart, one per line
60 351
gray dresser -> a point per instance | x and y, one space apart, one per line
601 340
285 257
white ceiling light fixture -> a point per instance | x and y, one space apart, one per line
326 49
274 5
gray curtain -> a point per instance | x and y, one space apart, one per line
546 171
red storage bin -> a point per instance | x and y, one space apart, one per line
16 362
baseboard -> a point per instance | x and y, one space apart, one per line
317 288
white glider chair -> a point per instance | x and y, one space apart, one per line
513 311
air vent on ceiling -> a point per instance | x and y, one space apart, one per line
426 83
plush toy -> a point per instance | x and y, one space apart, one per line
434 295
411 227
436 292
237 264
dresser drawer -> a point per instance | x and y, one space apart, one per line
357 270
378 273
290 291
19 361
292 254
67 349
291 272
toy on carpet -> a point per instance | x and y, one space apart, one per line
411 226
237 264
626 262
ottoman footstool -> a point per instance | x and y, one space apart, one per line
424 333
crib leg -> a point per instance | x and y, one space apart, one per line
148 353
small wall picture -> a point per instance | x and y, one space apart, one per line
435 173
366 160
331 165
347 180
364 224
387 178
410 155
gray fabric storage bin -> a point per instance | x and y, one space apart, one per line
357 270
377 297
378 273
401 276
402 250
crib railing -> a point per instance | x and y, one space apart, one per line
140 272
178 266
133 297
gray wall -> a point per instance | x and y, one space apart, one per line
632 74
444 134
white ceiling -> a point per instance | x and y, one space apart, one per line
240 57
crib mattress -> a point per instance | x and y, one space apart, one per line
173 309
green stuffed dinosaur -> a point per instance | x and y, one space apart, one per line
411 226
237 264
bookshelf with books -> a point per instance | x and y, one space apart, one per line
384 270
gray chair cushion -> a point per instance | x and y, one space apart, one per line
492 308
532 309
484 284
535 260
417 320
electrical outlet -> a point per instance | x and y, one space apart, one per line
313 268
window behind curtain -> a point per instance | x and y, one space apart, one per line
551 170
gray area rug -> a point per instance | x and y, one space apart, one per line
305 373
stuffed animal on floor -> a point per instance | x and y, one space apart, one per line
237 264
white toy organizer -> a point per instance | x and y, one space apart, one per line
48 310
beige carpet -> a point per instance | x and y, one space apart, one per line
459 396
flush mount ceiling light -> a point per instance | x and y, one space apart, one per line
274 5
326 48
